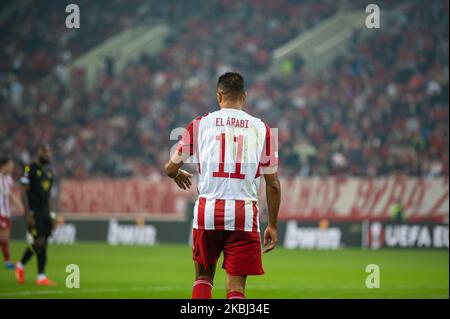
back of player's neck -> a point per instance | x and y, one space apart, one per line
235 108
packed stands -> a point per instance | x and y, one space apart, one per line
381 110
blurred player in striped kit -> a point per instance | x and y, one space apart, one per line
6 197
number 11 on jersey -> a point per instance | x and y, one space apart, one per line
237 170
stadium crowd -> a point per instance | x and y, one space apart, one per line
382 109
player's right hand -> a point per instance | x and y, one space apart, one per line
183 179
270 238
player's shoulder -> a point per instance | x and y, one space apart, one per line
34 168
256 121
28 172
199 118
209 114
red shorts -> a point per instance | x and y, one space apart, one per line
5 222
241 250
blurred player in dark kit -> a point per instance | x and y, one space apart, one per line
37 181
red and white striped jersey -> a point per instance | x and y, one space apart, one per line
230 147
6 186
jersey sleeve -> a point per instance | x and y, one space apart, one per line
269 156
187 144
26 176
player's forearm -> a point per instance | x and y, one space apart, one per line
16 201
26 207
50 207
273 194
174 164
171 169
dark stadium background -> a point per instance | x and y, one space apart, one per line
362 117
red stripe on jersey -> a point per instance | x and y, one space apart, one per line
266 149
201 212
265 154
258 171
240 144
268 156
219 214
221 172
195 140
188 143
255 218
239 219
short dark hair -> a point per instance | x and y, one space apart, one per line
40 147
231 84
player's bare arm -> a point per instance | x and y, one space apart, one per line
273 195
16 201
52 212
173 169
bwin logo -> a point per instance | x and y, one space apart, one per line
130 234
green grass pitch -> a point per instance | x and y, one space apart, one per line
166 271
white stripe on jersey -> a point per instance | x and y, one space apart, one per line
229 215
209 217
195 220
249 215
6 184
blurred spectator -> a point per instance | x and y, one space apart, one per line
381 109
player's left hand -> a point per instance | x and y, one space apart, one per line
20 207
183 179
54 220
270 238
